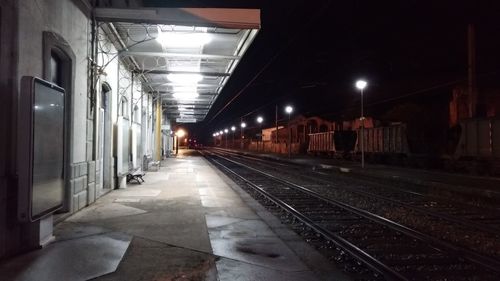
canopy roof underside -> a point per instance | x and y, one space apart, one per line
184 56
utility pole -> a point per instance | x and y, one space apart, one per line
241 132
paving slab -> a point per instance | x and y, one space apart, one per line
149 260
231 270
76 259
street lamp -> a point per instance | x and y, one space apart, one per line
260 120
225 132
179 134
242 135
233 128
289 110
361 85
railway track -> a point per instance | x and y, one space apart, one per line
465 225
391 250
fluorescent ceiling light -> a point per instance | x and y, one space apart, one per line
185 78
183 39
185 108
186 95
186 120
179 89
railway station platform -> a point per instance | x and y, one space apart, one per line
486 188
188 221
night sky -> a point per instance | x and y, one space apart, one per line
309 53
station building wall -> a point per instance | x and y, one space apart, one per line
8 91
27 27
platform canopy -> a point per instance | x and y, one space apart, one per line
185 56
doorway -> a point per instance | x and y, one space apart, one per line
58 68
105 140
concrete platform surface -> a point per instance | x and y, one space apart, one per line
188 221
72 258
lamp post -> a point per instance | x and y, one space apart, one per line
289 110
179 134
225 132
260 120
221 133
242 137
233 128
361 85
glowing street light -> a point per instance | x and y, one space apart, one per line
260 120
180 133
361 85
233 128
242 135
289 110
225 132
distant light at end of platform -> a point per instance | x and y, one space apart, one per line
288 109
226 130
361 84
221 132
233 128
243 124
180 133
260 119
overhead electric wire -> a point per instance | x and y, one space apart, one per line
264 68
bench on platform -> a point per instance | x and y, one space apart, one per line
155 164
148 163
135 175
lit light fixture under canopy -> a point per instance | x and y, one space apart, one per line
185 95
183 39
192 54
187 108
185 78
182 89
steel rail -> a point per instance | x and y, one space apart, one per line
475 257
352 249
468 223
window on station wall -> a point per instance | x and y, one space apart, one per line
136 118
104 98
55 69
123 108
